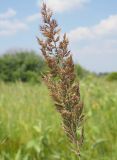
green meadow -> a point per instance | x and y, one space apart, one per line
30 127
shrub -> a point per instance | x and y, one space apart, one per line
112 76
23 66
80 71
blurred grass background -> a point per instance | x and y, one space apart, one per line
30 127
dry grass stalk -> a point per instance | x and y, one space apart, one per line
61 77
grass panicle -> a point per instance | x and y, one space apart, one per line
61 78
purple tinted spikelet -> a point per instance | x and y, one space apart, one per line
61 79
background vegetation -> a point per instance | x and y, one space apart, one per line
22 66
26 66
30 127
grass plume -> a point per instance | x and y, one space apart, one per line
61 78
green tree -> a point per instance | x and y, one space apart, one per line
21 65
112 76
80 71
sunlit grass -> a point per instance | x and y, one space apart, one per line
30 128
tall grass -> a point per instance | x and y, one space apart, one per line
30 128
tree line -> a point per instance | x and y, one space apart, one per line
28 66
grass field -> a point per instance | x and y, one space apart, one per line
30 128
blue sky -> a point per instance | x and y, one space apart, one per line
91 26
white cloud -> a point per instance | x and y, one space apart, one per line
95 47
107 27
33 17
10 26
8 14
64 5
